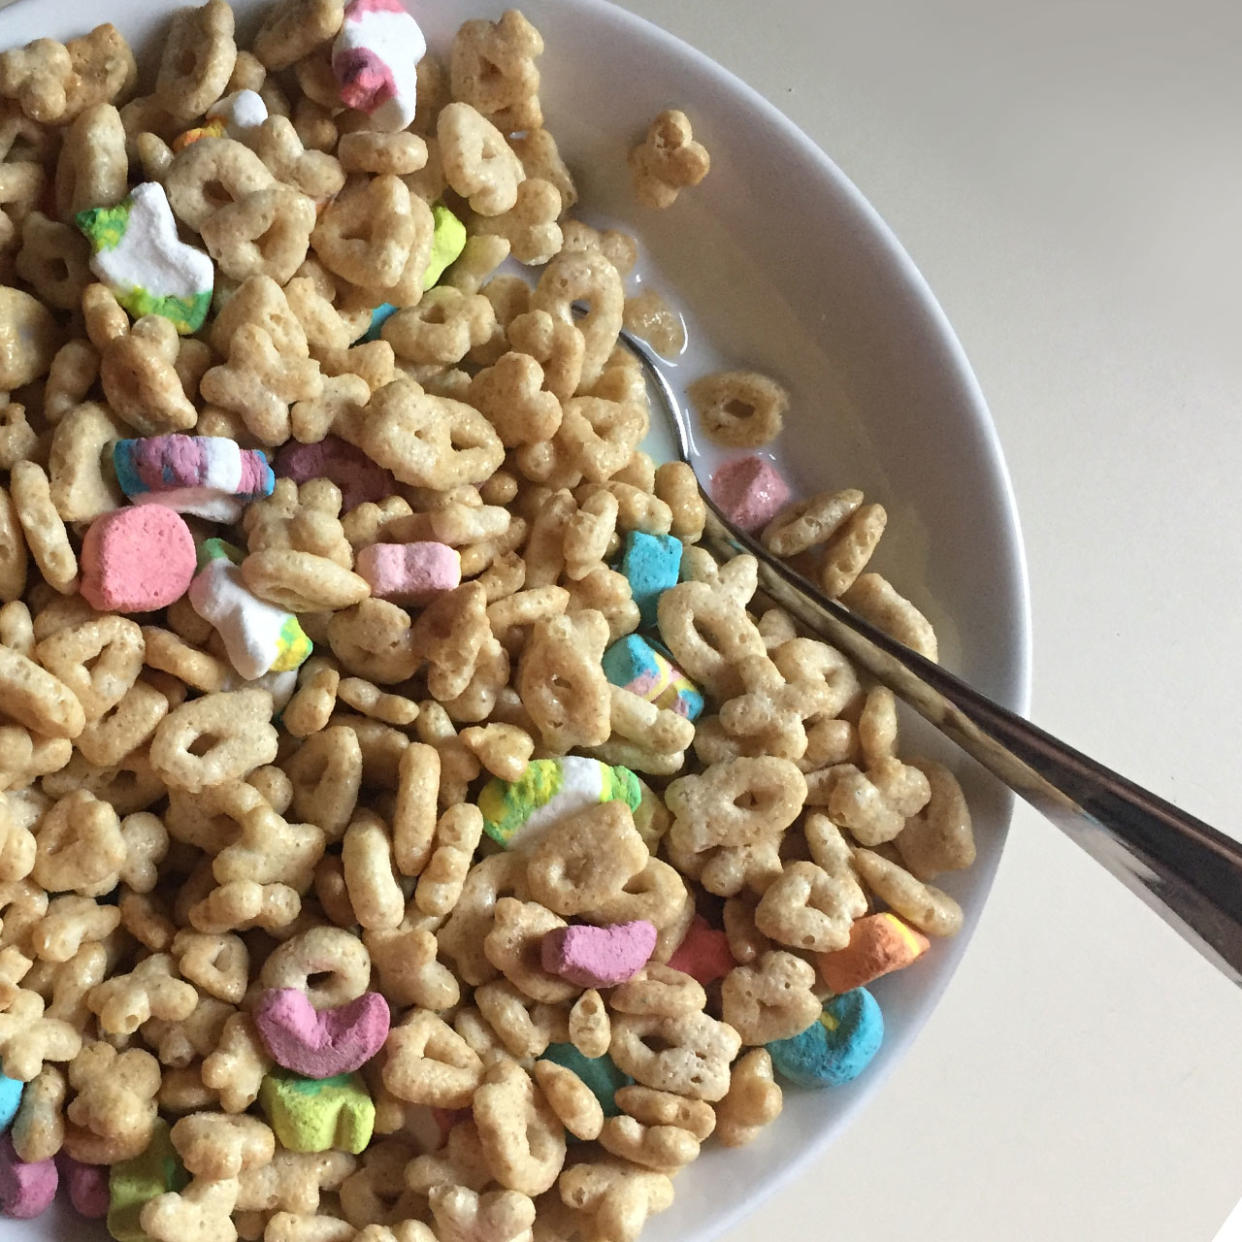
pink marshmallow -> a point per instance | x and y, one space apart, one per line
137 559
749 492
704 954
321 1043
598 957
359 478
26 1190
409 573
88 1186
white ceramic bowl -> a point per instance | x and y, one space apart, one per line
780 264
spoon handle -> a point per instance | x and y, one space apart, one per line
1188 872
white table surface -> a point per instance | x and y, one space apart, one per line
1068 176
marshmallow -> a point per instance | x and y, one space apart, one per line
409 573
750 492
10 1100
598 957
447 243
209 476
87 1185
601 1074
26 1190
139 256
239 116
258 636
320 1043
549 791
323 1114
652 564
638 666
359 478
837 1047
136 560
879 944
704 954
132 1184
242 115
375 59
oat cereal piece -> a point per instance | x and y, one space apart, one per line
939 837
521 1136
493 69
13 552
739 409
754 1100
649 317
429 1063
464 1215
29 339
876 600
235 724
933 912
667 161
367 236
531 225
54 259
137 366
53 82
202 1211
294 28
93 165
478 163
615 1196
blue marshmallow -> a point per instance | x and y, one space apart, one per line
10 1098
837 1047
652 564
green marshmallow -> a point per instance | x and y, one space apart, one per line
447 243
323 1114
132 1184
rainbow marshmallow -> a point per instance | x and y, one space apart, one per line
209 476
635 665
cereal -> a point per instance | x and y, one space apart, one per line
53 82
667 161
235 870
739 409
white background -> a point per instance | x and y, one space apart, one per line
1068 176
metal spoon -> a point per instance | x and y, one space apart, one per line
1186 871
